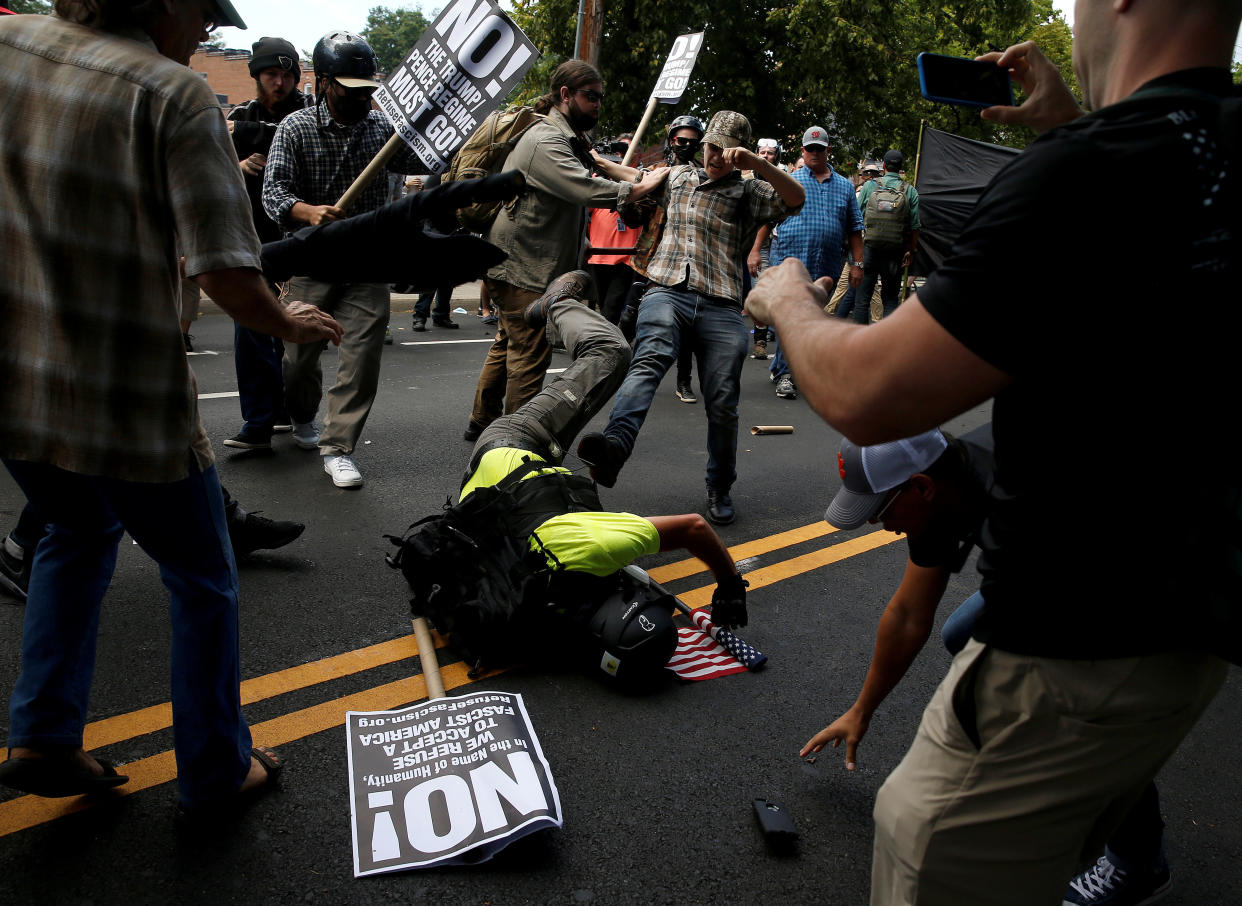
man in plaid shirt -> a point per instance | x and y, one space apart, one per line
818 233
712 216
316 155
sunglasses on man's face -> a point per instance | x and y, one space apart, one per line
687 142
594 97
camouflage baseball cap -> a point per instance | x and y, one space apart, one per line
727 129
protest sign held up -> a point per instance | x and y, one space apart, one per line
671 84
460 70
675 75
449 781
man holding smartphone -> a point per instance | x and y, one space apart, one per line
1040 739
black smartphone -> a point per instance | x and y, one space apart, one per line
968 83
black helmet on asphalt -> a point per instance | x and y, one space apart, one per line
637 636
348 58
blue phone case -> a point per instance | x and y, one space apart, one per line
961 102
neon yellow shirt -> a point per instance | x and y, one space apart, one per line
595 543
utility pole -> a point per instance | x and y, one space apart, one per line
590 29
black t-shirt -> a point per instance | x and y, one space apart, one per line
954 531
1100 270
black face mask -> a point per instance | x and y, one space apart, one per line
685 153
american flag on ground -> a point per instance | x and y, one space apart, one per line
701 653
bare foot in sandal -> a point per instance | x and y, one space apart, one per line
265 766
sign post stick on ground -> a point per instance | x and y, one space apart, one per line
427 655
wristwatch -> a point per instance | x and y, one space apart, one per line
855 263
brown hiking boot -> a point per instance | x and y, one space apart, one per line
575 285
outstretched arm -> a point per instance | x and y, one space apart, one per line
878 383
692 533
904 628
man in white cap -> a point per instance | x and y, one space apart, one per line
816 235
934 488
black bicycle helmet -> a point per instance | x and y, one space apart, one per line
637 636
348 58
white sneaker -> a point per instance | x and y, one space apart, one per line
343 471
306 435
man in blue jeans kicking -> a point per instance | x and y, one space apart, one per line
712 217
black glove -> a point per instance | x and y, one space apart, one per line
729 603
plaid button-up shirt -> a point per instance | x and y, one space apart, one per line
314 159
816 236
710 226
114 161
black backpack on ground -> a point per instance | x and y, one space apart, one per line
473 575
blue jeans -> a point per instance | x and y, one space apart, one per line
260 381
181 525
955 632
443 296
780 365
668 317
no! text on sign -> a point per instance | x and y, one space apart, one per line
675 75
460 70
448 781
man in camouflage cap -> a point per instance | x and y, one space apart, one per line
695 296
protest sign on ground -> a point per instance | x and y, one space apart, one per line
449 781
460 70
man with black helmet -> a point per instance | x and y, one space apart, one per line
275 67
316 154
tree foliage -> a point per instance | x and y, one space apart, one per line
41 7
392 32
847 65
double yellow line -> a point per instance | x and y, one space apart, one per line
29 811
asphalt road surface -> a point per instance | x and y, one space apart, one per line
656 790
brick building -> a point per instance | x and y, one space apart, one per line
227 71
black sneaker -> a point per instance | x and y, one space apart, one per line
720 508
685 392
1107 884
419 325
604 455
472 432
575 285
14 570
249 439
446 322
253 532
